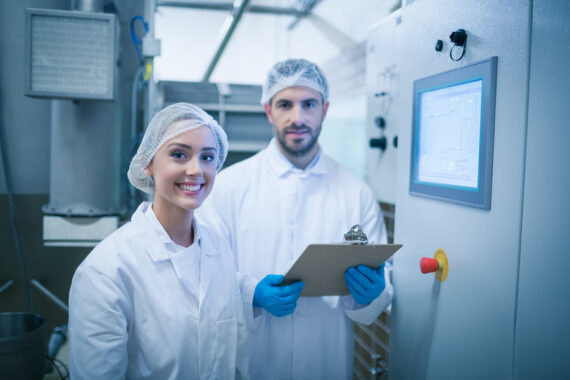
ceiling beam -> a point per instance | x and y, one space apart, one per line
306 11
225 34
228 7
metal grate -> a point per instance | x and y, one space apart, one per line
70 54
372 349
372 343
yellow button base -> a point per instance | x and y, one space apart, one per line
441 258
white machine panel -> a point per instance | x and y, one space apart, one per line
543 307
77 231
382 92
462 328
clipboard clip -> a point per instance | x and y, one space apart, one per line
355 236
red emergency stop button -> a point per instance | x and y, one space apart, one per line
439 265
428 265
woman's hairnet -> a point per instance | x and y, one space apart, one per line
160 130
294 72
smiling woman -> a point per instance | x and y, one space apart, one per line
159 298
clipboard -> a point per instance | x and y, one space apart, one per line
322 266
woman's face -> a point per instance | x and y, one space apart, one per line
184 169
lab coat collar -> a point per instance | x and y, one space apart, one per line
161 232
153 235
282 166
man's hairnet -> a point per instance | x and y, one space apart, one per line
294 72
160 130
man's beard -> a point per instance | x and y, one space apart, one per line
302 150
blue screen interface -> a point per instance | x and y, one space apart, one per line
449 133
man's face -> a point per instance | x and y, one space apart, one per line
297 114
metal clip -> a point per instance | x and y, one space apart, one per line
355 236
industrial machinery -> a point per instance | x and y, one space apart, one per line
72 59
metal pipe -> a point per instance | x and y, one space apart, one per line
207 5
307 10
6 285
12 209
50 295
382 325
150 100
135 88
89 5
373 336
225 35
369 350
372 370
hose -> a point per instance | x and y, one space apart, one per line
134 37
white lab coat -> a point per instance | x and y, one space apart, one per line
142 307
270 212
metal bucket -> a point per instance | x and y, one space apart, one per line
22 353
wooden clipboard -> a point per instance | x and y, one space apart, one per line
322 266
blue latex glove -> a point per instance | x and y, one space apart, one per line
365 284
278 300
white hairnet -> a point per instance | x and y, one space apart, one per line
294 72
160 130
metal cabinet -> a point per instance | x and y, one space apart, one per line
487 320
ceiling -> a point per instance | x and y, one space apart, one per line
268 30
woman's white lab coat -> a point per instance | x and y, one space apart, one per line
141 309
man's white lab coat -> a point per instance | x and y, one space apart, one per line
270 212
142 307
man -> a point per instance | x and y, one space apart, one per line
274 204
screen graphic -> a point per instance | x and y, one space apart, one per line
449 135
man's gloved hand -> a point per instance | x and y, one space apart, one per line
278 300
365 284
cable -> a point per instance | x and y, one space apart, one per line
53 365
134 37
462 53
8 180
54 362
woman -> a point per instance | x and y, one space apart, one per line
158 298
